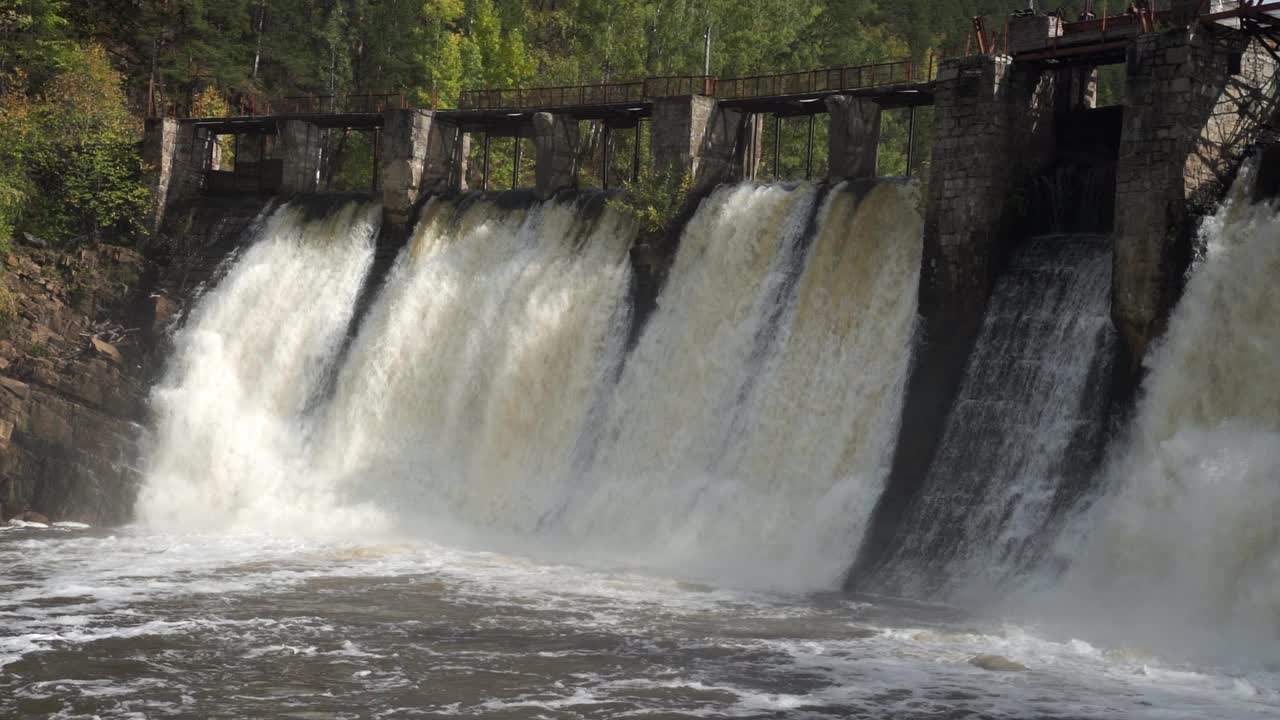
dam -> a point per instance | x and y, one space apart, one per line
994 438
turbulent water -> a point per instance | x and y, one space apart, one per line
1020 438
1184 552
485 505
487 401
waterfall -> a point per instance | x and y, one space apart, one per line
228 448
1021 437
1183 551
469 387
748 436
488 397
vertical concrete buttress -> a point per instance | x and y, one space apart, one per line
853 140
301 145
692 135
420 156
1195 104
993 129
555 143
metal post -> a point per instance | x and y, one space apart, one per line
604 158
911 138
808 163
377 159
777 143
635 155
484 169
515 166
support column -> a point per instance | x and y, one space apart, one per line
159 146
300 148
406 137
691 135
853 141
1189 121
993 130
555 144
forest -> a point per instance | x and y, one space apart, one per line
76 78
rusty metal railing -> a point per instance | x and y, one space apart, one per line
813 82
562 96
322 104
619 93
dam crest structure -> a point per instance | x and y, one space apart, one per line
1019 150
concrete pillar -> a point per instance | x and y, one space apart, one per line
420 156
555 142
159 146
300 145
405 136
853 140
993 130
1188 124
692 135
195 149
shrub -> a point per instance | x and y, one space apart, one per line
654 200
69 155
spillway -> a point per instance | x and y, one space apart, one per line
1024 433
488 399
1183 549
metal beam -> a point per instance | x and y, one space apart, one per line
808 161
635 156
911 139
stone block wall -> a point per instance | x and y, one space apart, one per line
993 129
1189 122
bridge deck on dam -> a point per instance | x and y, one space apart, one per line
891 84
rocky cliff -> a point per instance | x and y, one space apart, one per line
83 333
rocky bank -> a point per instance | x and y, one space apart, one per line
83 333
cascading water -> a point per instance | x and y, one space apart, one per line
740 444
1022 435
1184 550
466 394
229 444
482 401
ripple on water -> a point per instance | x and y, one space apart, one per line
233 626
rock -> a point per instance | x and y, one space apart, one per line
107 349
997 663
20 390
33 241
6 434
162 311
32 516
